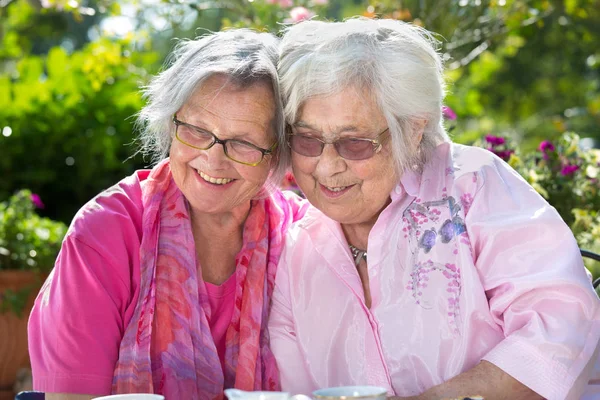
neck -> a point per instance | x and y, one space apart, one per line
212 226
358 234
218 239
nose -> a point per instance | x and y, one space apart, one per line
215 156
330 162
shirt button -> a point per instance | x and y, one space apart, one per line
398 190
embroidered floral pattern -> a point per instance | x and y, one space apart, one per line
466 200
436 225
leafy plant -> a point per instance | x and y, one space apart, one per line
27 242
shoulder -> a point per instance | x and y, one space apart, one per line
313 224
113 216
467 161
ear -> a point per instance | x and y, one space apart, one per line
418 129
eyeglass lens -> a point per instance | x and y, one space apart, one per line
350 148
236 150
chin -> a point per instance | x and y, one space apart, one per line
339 214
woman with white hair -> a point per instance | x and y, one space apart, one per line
426 267
163 281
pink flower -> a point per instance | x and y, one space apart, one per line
298 14
569 169
495 140
286 3
37 201
271 1
448 113
546 147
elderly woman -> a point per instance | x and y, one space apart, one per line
164 280
425 267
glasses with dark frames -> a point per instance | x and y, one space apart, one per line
350 148
239 151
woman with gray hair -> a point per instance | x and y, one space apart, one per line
425 267
163 281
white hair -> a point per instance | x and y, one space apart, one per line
244 56
397 62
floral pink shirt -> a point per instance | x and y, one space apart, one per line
467 263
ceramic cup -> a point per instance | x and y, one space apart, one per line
132 396
351 393
235 394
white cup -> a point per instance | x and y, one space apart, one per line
131 396
351 392
236 394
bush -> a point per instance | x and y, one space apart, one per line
27 242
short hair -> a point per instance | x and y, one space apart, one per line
244 56
397 62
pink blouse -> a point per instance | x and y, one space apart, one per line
79 318
467 263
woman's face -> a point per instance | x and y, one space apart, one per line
211 182
347 191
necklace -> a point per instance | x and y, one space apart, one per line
358 254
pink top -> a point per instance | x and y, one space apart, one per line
221 299
68 353
467 263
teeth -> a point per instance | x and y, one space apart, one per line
217 181
336 189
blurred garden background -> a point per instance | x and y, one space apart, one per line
524 81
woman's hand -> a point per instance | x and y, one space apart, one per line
485 380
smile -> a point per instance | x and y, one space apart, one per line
334 192
336 189
216 181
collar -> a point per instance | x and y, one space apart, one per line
410 184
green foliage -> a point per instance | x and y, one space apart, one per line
27 241
273 15
69 121
15 301
527 68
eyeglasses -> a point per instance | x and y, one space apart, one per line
239 151
349 148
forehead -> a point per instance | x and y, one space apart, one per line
219 99
351 109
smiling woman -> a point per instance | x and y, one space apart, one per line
431 268
163 280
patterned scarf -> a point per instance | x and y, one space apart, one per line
168 347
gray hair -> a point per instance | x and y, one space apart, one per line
397 62
244 56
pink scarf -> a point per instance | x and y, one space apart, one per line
167 347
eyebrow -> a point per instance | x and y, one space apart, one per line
343 128
240 137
